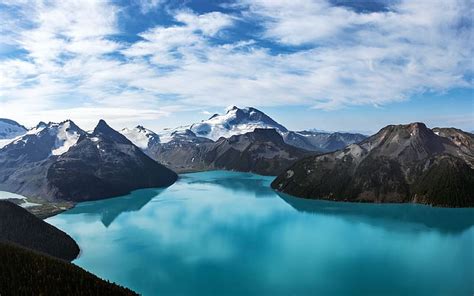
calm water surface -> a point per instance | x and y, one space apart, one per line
226 233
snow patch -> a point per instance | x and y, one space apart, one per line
140 136
5 142
4 195
65 139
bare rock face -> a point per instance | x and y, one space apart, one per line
401 163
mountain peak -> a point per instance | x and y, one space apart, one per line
41 124
231 108
235 121
105 131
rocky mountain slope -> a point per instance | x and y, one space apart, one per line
22 228
58 162
401 163
104 163
262 151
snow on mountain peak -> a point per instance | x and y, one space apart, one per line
235 121
67 134
230 108
10 129
141 136
56 138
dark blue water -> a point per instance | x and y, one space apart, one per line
226 233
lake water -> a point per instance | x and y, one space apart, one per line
227 233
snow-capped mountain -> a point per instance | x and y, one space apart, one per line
238 121
59 161
49 139
235 122
10 129
141 137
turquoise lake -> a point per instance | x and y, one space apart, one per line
228 233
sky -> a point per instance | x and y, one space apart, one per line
336 65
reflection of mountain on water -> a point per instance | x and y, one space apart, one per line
110 209
244 183
390 216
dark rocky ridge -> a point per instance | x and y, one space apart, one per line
262 151
105 163
401 163
20 227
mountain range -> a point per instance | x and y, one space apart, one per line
400 163
238 121
241 139
61 162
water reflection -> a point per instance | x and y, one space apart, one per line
246 184
110 209
390 216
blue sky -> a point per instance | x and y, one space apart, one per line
328 64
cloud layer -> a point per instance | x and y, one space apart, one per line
69 56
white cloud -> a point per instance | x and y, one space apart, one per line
148 5
339 57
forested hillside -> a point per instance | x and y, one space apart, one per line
25 272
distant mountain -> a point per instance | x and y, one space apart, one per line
19 227
45 140
262 151
10 129
401 163
183 152
141 137
322 141
235 122
25 272
62 162
238 121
